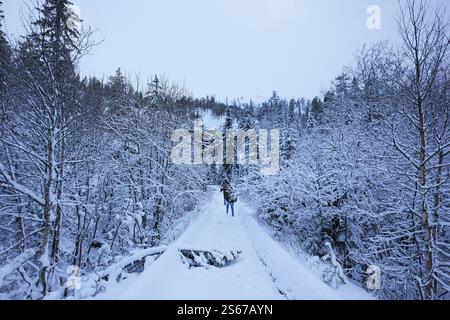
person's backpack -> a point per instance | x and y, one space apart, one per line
233 197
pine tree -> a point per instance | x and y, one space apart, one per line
276 110
5 54
57 39
247 120
316 108
154 95
55 27
229 144
2 17
5 64
288 146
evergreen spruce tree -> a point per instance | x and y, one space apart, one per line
288 145
5 56
227 172
316 108
154 95
247 120
5 64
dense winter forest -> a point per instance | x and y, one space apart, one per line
86 174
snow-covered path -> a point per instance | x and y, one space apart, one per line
263 271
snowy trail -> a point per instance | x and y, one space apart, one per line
264 271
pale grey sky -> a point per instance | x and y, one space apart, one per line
230 48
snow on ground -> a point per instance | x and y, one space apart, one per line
264 271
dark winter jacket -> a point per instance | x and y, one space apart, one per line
229 194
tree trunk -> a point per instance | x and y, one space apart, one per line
428 253
58 221
48 207
158 211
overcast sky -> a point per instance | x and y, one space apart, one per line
230 48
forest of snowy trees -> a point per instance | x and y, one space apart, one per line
86 174
367 168
85 164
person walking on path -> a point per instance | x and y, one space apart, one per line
225 185
229 197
